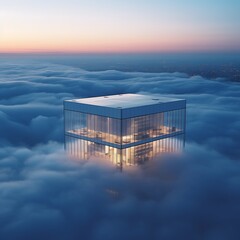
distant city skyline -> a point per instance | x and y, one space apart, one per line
101 26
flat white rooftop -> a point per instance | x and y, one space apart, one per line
124 105
125 100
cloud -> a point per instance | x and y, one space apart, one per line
45 195
194 196
38 90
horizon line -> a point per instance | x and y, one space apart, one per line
237 51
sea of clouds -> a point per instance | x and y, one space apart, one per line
44 195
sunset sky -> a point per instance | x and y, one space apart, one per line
119 25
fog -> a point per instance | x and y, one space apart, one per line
45 195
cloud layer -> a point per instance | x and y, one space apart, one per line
45 195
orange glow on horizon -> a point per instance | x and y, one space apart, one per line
86 46
117 27
119 42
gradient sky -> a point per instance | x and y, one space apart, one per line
119 25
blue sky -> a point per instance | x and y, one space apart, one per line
119 26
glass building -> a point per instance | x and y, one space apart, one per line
126 129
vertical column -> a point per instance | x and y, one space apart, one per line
184 130
121 135
64 119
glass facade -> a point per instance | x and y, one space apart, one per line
126 131
135 155
123 141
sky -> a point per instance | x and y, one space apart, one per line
88 26
46 195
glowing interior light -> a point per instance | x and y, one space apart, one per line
125 140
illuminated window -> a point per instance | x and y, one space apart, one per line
127 129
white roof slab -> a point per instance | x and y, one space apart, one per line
124 105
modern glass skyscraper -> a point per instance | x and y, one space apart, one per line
127 129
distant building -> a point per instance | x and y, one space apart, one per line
127 129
